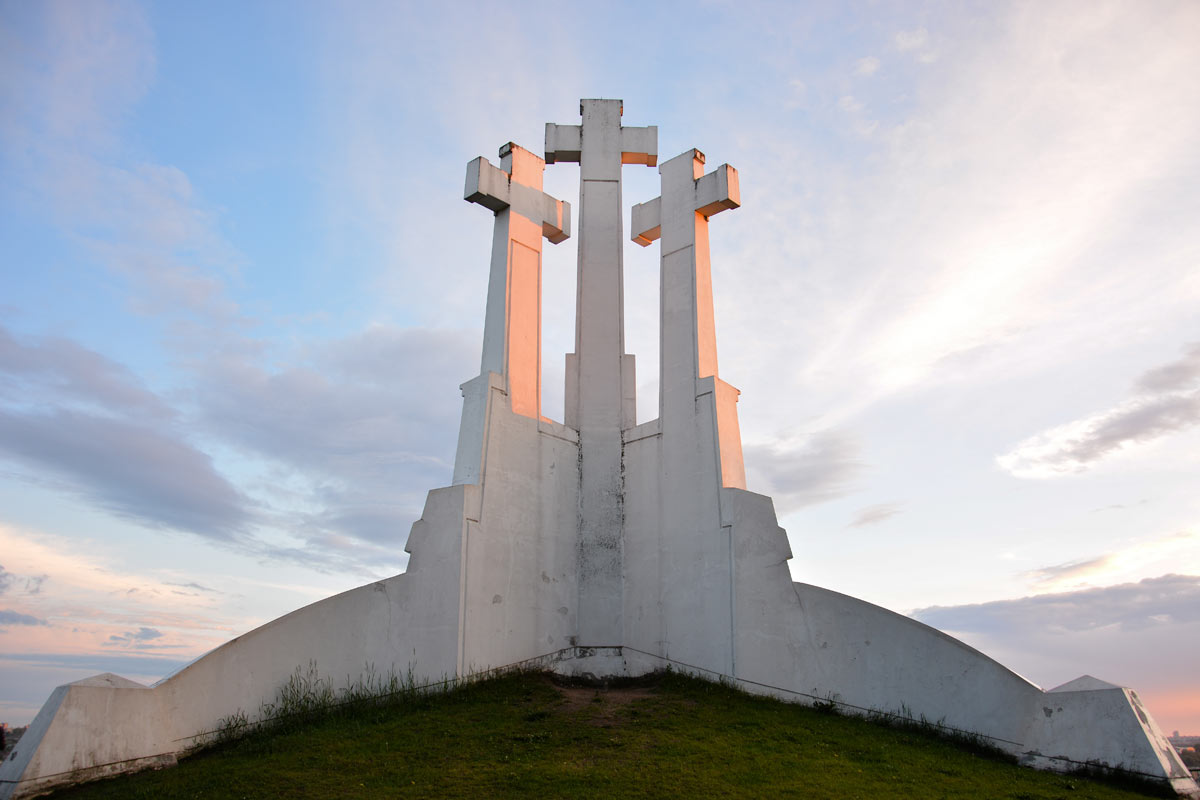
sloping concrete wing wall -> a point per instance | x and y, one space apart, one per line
106 724
491 582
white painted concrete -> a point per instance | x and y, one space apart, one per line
600 376
600 547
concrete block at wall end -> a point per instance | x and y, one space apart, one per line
1105 727
17 763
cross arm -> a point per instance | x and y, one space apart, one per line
646 222
711 194
563 142
493 188
717 191
639 145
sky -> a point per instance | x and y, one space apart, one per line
239 289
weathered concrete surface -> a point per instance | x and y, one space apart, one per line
600 382
600 547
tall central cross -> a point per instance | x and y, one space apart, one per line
600 387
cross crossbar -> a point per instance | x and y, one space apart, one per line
495 189
564 143
711 194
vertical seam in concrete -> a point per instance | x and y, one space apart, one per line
721 522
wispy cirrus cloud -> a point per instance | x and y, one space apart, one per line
1163 404
1178 551
901 284
90 599
71 79
873 515
1071 571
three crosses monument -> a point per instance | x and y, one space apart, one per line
600 546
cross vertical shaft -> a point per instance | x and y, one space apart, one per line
600 389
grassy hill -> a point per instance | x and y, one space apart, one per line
527 735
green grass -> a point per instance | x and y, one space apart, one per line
524 735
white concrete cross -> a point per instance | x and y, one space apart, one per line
600 381
597 372
512 330
679 216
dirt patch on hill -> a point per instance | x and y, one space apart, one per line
602 704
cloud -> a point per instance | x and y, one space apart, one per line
87 62
1174 376
1169 599
356 434
94 599
1176 552
1072 570
803 472
32 583
850 104
116 662
193 585
907 261
1142 635
1121 506
71 89
866 66
142 634
911 40
875 514
70 410
14 618
59 371
1158 411
130 470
